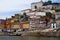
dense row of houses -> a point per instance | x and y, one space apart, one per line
40 16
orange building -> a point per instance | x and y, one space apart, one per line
8 23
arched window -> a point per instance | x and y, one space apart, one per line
35 7
24 13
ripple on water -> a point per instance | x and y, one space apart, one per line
27 38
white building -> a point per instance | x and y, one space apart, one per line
48 7
53 25
36 5
25 11
36 14
35 19
57 15
57 19
56 6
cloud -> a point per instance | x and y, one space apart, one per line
7 6
8 14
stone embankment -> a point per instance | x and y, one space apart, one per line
42 33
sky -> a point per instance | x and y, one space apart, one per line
10 7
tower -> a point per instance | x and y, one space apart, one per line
49 1
41 1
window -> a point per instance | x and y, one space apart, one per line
24 13
21 16
35 7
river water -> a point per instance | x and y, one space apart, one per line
27 38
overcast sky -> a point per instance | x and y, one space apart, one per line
11 7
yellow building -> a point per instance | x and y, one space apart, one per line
24 25
15 27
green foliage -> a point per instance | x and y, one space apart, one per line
52 16
48 14
49 2
14 23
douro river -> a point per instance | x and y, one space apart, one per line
27 38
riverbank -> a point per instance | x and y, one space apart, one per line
39 33
43 33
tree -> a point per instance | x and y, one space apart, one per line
49 1
48 17
26 18
48 14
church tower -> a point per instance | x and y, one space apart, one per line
49 1
41 1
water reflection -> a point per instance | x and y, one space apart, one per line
27 38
